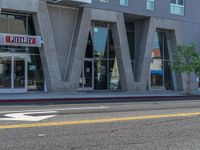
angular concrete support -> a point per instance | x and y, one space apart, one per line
123 54
74 68
143 59
85 17
145 56
178 77
171 44
48 50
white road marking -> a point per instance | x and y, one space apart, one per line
58 109
27 116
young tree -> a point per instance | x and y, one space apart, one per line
197 66
186 60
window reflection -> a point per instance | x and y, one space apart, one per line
14 24
100 75
35 73
20 24
5 72
114 77
105 69
161 77
100 42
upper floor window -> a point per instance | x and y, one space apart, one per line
150 4
124 2
177 7
104 1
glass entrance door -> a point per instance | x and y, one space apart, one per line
13 73
19 72
87 77
5 72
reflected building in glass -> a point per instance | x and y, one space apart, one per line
161 74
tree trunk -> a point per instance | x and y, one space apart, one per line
188 84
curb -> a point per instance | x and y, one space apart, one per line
110 99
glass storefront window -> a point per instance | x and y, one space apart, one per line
17 24
14 24
4 23
89 49
5 72
130 31
100 74
112 47
161 76
103 71
100 42
35 73
114 77
14 58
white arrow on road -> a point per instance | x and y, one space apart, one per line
27 116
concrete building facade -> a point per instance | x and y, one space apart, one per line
84 45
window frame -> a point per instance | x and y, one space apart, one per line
124 4
178 6
147 5
104 1
178 3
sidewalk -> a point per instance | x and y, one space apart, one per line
71 97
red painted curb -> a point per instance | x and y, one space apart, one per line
100 99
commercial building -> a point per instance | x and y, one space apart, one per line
84 45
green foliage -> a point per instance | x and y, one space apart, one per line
197 66
186 59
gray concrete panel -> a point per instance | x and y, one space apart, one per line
63 22
74 68
48 50
102 15
143 58
20 5
141 29
171 44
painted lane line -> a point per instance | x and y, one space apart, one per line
104 120
27 116
58 109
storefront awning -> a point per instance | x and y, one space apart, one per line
157 72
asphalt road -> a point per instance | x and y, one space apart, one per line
173 125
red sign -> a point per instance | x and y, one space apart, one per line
20 40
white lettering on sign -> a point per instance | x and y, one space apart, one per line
27 116
20 39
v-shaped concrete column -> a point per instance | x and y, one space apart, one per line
74 68
143 60
123 54
120 41
48 50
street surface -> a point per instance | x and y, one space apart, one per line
173 125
